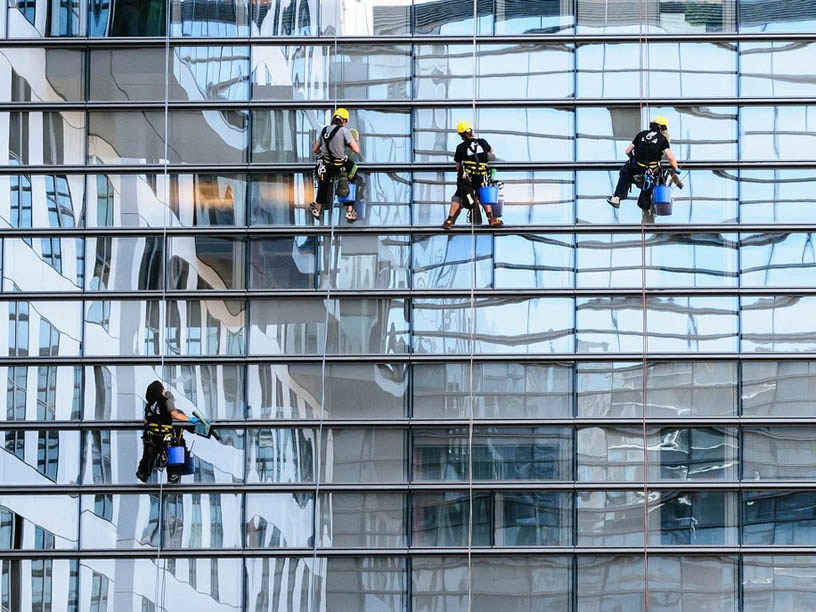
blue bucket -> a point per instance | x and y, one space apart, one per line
349 199
489 195
189 464
175 455
662 200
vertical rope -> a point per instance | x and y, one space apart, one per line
472 326
329 257
644 94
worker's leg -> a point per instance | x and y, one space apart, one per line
453 213
325 182
645 199
150 451
624 184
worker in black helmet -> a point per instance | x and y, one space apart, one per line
159 413
333 164
471 157
644 152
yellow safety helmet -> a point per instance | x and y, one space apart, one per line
463 126
661 120
342 113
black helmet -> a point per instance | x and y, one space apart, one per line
154 391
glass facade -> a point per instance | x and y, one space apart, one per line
574 412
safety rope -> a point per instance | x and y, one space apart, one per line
472 330
329 280
643 48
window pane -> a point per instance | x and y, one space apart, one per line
775 583
777 132
143 18
122 327
265 575
43 264
442 519
118 391
534 261
445 72
508 325
708 197
693 582
209 18
298 326
495 390
279 520
776 196
364 262
690 260
209 73
779 453
207 137
351 391
57 529
607 583
697 324
682 16
50 18
359 584
47 329
43 138
287 135
515 134
207 200
377 19
777 260
51 200
364 456
779 518
695 518
779 388
42 458
698 132
777 324
42 75
362 520
205 262
769 69
126 137
124 264
760 17
212 327
281 455
451 262
128 74
126 200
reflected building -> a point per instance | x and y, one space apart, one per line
576 412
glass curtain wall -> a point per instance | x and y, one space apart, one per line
579 411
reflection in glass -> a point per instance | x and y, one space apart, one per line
672 260
46 18
347 391
693 582
127 18
43 138
675 70
283 262
501 325
40 582
372 455
534 261
124 263
681 16
56 396
42 75
442 519
446 72
279 520
489 583
675 324
207 137
209 73
264 576
777 324
776 196
205 200
364 262
128 74
39 457
693 518
355 326
611 582
205 262
777 260
609 518
209 18
778 453
775 132
362 520
214 390
776 518
22 527
779 388
774 583
45 329
206 327
125 200
757 17
365 583
50 200
770 69
281 455
34 264
452 262
514 134
126 137
122 327
495 390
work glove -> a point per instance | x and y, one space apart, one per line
194 420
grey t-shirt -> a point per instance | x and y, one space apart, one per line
336 147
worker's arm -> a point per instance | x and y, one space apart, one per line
629 149
670 156
354 146
178 415
316 147
491 156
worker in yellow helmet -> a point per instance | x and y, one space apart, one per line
471 157
333 164
644 153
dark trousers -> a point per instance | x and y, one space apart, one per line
625 179
154 454
326 178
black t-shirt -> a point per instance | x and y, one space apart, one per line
649 146
159 412
473 149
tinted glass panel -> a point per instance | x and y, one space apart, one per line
779 388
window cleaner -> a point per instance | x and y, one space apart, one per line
333 165
643 167
471 157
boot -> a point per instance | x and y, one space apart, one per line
494 221
448 224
